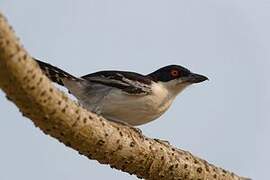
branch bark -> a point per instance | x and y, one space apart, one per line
91 135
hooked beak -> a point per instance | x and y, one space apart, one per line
196 78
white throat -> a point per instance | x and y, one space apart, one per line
173 87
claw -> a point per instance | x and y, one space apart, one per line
167 143
137 130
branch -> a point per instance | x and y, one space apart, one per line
91 135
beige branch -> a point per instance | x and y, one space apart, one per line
93 136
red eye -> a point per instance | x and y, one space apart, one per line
174 73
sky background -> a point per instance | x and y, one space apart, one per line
225 120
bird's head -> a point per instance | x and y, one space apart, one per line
176 78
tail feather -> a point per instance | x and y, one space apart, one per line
55 74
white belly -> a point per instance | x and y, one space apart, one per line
117 105
135 110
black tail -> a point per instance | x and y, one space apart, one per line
55 74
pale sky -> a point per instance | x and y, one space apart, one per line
225 120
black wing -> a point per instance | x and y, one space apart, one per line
130 82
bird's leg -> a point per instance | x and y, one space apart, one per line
130 126
164 142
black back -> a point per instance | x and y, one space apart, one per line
129 82
119 74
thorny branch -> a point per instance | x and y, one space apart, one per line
56 115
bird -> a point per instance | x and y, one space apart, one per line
123 96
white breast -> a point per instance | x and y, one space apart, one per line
136 110
116 105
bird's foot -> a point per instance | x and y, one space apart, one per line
166 143
137 130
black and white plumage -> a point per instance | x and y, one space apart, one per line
129 82
125 96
